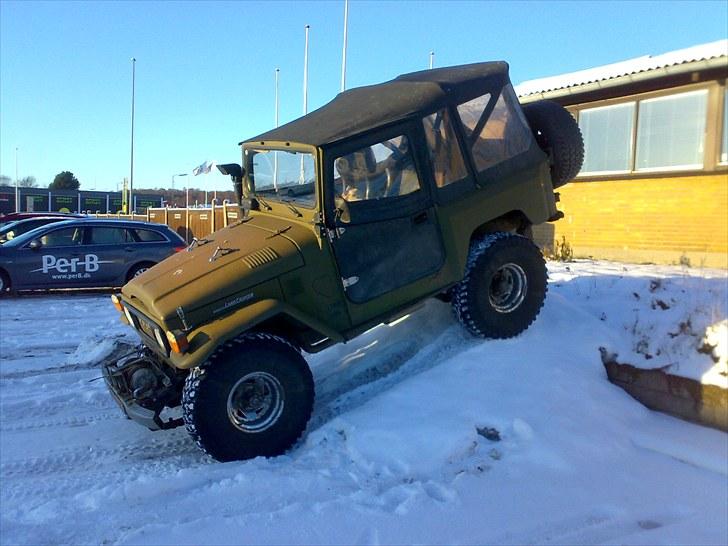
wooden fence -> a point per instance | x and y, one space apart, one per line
188 223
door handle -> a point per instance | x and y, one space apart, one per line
128 249
420 218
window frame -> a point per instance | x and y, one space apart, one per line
374 210
722 117
632 137
713 132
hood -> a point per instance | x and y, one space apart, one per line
220 266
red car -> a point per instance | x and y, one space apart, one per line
15 216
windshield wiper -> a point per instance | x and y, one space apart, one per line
263 202
291 207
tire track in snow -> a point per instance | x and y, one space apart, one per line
72 421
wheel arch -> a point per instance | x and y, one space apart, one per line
6 275
135 265
514 221
268 315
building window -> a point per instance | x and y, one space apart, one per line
671 132
607 133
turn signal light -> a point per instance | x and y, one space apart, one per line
179 248
117 303
178 341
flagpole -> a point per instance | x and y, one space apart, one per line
343 53
305 74
17 191
275 154
131 176
305 93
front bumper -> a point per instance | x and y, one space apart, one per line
144 408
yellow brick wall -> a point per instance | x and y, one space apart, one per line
657 220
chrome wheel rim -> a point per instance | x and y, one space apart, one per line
255 402
508 288
139 272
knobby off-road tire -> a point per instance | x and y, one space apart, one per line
504 286
252 397
557 134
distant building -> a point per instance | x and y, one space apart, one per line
654 185
43 199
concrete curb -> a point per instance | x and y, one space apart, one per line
678 396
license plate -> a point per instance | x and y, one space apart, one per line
146 327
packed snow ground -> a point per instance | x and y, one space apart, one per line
420 434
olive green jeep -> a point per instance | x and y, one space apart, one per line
423 186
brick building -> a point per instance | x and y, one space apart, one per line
654 184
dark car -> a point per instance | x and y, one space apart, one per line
15 216
84 253
13 229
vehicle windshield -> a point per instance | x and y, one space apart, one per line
30 235
283 175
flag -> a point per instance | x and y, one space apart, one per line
205 168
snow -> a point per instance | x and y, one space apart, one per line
646 63
420 434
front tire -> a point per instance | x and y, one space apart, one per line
252 398
504 286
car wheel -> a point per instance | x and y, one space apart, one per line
504 286
4 283
251 398
137 270
557 134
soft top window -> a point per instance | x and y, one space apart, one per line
385 169
495 132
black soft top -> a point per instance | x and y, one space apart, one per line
364 108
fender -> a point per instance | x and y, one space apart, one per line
208 337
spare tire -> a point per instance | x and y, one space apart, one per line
558 134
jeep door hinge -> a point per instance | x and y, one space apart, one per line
349 282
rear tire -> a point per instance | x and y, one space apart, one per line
138 269
253 397
504 286
557 134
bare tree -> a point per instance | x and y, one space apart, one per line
27 182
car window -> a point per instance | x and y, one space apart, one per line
447 159
382 170
504 135
63 237
149 236
109 236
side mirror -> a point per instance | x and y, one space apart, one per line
35 244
